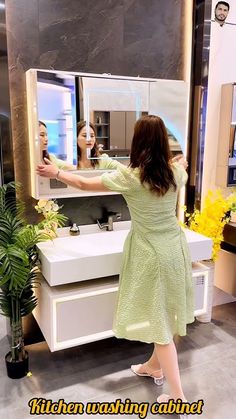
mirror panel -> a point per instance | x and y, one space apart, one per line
114 95
232 146
168 99
112 103
113 106
56 108
226 155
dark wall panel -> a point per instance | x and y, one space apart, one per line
6 152
87 36
152 39
125 37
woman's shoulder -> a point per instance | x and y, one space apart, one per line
130 174
123 180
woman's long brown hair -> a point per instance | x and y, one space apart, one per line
150 152
94 150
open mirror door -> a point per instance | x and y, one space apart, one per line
169 100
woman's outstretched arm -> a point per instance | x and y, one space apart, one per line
51 171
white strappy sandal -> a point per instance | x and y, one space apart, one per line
149 373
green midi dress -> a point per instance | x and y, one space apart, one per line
155 299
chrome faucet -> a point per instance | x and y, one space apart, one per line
108 225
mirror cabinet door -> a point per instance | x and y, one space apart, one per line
56 109
58 100
226 156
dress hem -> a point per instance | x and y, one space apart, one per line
123 336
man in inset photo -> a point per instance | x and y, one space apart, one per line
221 12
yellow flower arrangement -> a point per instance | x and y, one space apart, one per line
52 219
210 221
45 207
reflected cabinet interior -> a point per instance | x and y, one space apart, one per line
226 157
114 131
112 103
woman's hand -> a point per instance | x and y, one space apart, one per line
181 160
50 170
47 170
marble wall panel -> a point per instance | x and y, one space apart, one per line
87 37
152 38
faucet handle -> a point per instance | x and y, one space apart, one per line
116 215
102 225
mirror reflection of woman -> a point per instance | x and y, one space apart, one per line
43 136
87 140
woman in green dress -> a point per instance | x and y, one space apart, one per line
155 300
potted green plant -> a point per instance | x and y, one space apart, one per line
19 272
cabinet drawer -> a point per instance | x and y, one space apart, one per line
84 318
71 315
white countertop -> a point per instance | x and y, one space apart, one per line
96 253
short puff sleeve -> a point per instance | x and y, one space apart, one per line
107 163
123 180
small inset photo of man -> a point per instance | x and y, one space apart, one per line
221 12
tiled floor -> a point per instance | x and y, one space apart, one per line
100 371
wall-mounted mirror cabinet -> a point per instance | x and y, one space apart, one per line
58 100
226 158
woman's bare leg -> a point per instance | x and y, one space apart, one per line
152 365
167 355
153 361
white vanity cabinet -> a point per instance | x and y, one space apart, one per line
71 315
79 307
75 314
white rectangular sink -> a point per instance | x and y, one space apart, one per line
96 253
